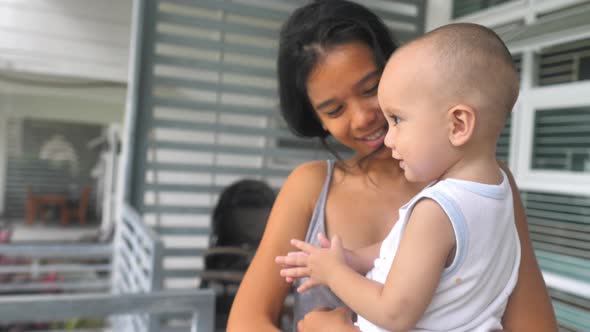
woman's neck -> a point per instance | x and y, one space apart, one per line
379 169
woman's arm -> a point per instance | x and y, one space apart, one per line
529 307
258 303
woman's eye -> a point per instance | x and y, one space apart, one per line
371 91
335 112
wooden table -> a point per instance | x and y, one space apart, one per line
37 202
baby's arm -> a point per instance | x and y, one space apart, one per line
427 242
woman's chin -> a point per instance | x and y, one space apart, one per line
382 152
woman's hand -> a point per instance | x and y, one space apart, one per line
325 320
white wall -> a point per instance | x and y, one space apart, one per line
85 39
437 13
63 108
72 38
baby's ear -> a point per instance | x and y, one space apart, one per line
462 124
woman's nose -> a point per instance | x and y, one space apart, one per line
366 115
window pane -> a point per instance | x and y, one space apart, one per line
571 311
559 227
584 68
559 224
465 7
569 62
562 140
503 146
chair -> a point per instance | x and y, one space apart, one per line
238 221
77 207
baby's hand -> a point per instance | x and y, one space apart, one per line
293 265
319 264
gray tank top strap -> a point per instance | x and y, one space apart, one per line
320 296
317 224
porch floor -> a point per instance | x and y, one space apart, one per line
39 232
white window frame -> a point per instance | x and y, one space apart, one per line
515 10
535 98
538 99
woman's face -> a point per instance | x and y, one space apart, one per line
342 89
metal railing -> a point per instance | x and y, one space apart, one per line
37 268
199 303
137 267
132 296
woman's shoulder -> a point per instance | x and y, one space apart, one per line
303 186
312 172
306 180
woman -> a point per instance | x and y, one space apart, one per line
330 58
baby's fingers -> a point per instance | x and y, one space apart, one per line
324 241
295 273
292 259
303 246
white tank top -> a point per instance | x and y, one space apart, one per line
473 291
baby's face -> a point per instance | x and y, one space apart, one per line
418 132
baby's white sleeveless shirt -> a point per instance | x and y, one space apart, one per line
473 291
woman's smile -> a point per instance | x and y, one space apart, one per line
376 138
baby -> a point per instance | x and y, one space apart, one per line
451 260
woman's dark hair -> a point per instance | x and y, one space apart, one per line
311 30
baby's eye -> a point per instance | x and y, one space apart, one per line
395 119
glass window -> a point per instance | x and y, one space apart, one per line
503 146
565 63
465 7
584 68
559 224
562 140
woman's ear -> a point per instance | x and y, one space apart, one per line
462 123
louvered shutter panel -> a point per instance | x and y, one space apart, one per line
559 227
205 112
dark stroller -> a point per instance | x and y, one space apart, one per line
239 219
